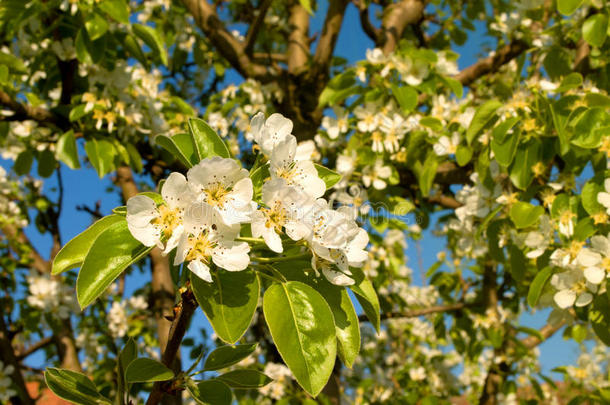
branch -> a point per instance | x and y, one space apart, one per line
24 112
547 331
492 63
42 343
420 312
183 313
256 26
297 51
7 354
225 43
16 237
369 29
330 33
396 18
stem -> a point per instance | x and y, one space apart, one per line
280 259
250 239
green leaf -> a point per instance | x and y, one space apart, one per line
406 97
524 214
116 9
81 45
77 112
225 356
101 154
533 295
367 297
66 150
599 316
482 117
258 177
302 326
206 140
126 356
133 48
96 26
590 127
455 86
307 6
584 229
181 146
518 263
23 163
567 7
504 145
571 81
151 37
147 370
588 197
212 392
528 154
229 302
46 163
73 253
426 178
463 154
73 387
4 74
330 177
244 379
102 265
595 29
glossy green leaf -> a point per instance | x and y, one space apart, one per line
101 154
66 151
527 155
212 392
599 316
23 163
524 214
46 163
96 26
244 379
569 82
102 266
73 387
229 302
484 114
463 154
302 326
116 9
151 37
595 29
330 177
126 356
588 197
367 297
567 7
535 290
225 356
181 146
206 140
133 47
147 370
73 253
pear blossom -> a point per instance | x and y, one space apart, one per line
337 125
298 173
367 117
224 185
270 132
604 197
376 175
206 238
572 289
282 206
160 225
394 128
446 145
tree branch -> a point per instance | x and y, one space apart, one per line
256 26
297 51
7 354
16 238
42 343
24 112
328 39
369 29
183 313
397 17
420 312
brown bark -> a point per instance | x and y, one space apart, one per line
7 354
297 51
396 18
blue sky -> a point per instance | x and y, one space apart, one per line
83 187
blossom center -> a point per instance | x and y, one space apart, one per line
168 219
216 194
200 247
276 216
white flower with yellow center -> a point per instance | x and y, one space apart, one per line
297 173
283 205
572 289
206 238
224 185
446 145
270 132
604 197
158 225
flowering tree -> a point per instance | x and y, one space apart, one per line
295 195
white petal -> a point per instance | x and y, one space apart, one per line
148 235
594 275
232 256
604 198
273 240
588 258
584 299
182 249
201 270
174 239
176 191
565 298
337 278
141 210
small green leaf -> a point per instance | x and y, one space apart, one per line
212 392
101 154
116 9
367 297
127 355
330 177
455 86
463 154
229 302
66 150
524 214
102 266
73 387
206 140
151 37
303 330
482 117
567 7
588 197
571 81
73 253
96 26
225 356
181 146
527 155
595 30
406 97
244 379
306 4
533 295
147 370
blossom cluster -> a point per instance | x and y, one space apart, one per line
202 213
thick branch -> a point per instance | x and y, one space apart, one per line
330 33
492 63
369 29
183 313
25 112
397 17
298 39
42 343
225 43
